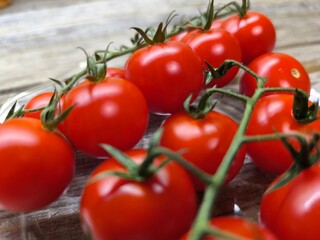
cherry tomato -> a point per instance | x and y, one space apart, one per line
215 46
205 141
217 23
36 165
166 73
255 32
292 212
239 228
116 72
273 113
281 70
112 111
179 36
38 101
162 207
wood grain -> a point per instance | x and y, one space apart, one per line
38 40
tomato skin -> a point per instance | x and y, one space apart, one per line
205 140
215 46
293 211
163 207
255 32
116 72
274 113
113 111
239 227
36 165
281 70
166 73
42 100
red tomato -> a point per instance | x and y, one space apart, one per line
216 24
116 72
274 113
215 46
113 111
255 32
205 140
166 73
162 207
239 227
281 70
38 101
179 36
36 165
292 212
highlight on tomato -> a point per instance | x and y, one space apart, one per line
165 72
36 165
119 203
233 227
279 113
280 69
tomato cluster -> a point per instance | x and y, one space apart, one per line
198 148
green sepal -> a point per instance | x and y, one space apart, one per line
209 16
96 67
302 112
303 159
13 113
151 36
216 73
121 157
49 117
58 82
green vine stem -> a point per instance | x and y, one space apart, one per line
212 191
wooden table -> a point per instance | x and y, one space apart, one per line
38 40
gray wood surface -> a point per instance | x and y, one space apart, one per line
38 40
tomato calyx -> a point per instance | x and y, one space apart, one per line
204 106
304 158
302 112
49 116
234 7
96 67
154 36
145 170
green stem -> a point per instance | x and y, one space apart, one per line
230 93
204 177
212 191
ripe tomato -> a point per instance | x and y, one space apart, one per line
38 101
36 165
162 207
239 228
112 111
292 212
215 46
205 140
255 32
166 73
116 72
281 70
273 113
